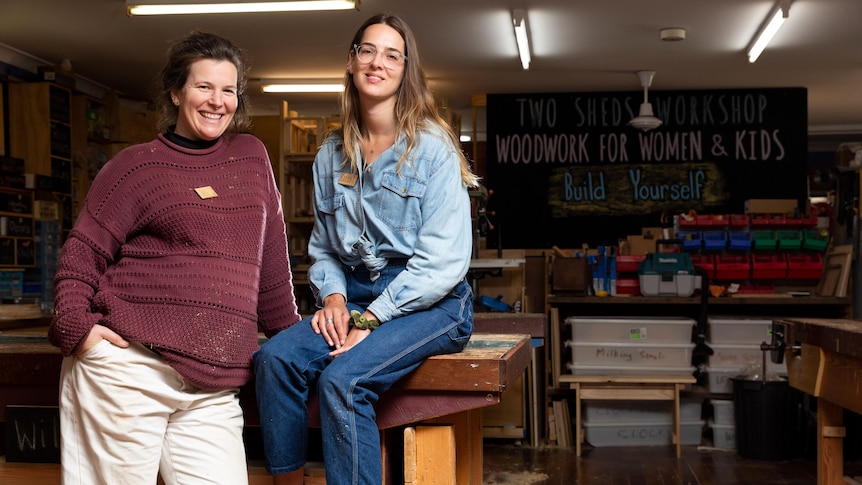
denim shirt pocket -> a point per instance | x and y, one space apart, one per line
331 207
400 201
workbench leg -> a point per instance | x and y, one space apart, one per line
429 455
830 443
677 437
469 460
578 431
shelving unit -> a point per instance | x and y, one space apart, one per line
299 139
41 133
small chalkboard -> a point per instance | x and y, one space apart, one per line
32 434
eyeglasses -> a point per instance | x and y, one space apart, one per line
367 53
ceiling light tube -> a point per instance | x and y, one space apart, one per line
519 20
775 19
134 8
302 88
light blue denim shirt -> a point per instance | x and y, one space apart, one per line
421 214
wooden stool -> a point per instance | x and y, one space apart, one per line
627 388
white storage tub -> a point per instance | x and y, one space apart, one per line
722 411
723 436
740 356
719 379
631 329
628 354
738 330
613 411
597 370
622 433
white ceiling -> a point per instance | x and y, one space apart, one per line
469 48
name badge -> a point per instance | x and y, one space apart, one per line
206 192
348 179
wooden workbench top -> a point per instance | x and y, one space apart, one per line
839 335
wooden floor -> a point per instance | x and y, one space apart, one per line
510 464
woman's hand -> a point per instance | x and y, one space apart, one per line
99 333
332 321
356 334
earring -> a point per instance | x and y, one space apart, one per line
176 102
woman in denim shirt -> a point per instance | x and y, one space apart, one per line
391 243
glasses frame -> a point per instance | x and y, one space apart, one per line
386 60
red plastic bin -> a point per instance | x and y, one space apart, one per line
732 267
629 263
705 261
804 266
768 266
738 221
628 286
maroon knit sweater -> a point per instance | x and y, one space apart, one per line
190 275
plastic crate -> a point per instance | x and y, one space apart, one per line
738 330
722 411
11 284
804 266
631 329
628 263
738 221
815 240
637 370
691 240
706 221
705 261
768 266
641 434
723 436
627 354
764 240
609 411
789 239
714 240
739 241
732 267
628 286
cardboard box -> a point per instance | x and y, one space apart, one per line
771 206
640 245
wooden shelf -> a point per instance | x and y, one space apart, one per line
758 300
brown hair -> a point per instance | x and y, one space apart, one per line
415 107
181 55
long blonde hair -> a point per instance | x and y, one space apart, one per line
415 108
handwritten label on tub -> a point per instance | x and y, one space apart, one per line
630 355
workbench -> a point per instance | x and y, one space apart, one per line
434 414
824 359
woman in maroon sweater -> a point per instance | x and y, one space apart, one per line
178 257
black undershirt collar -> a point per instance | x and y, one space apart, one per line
187 142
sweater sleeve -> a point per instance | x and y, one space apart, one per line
90 248
86 254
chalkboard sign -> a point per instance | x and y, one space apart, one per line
32 434
566 168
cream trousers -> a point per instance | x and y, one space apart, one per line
126 417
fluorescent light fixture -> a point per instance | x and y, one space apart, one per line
777 15
154 7
302 88
519 20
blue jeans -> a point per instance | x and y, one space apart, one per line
295 362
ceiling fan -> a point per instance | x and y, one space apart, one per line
645 120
